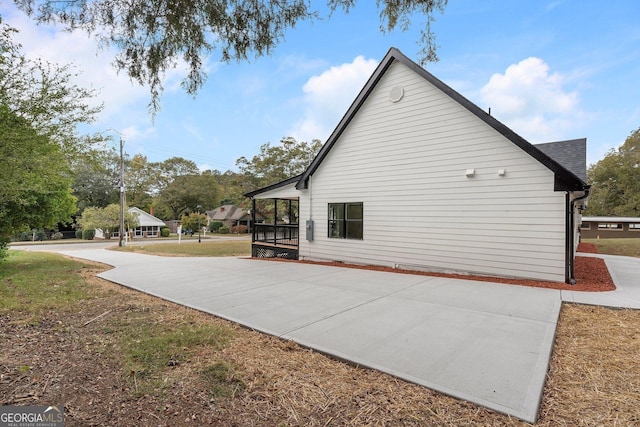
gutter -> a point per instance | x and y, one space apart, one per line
570 277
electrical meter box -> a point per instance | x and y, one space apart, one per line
309 229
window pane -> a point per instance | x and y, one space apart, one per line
336 228
354 211
354 230
336 211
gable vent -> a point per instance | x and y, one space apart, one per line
396 93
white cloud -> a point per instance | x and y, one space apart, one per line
534 102
327 97
94 66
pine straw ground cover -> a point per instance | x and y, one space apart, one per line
81 357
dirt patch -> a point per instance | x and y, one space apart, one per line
592 274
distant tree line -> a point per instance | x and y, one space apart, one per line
615 181
175 187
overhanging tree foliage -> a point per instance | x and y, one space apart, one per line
615 181
152 35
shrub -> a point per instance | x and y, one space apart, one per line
214 226
88 234
28 236
78 234
164 232
240 229
223 230
56 236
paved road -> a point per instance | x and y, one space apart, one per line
487 343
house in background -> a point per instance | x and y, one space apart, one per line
148 225
609 227
232 216
415 176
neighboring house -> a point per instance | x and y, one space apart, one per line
415 176
609 227
148 225
231 216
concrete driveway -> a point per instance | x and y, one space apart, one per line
487 343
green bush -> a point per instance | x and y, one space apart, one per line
223 230
56 236
88 234
28 236
78 234
214 226
164 232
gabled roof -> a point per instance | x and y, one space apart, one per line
225 212
228 213
145 219
572 154
565 180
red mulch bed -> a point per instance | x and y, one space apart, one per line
588 248
592 274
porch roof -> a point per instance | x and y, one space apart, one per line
280 190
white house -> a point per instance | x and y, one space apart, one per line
148 225
415 176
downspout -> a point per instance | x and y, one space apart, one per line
571 233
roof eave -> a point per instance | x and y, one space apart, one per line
288 181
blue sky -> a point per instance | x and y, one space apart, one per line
550 70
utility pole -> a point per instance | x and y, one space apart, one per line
122 230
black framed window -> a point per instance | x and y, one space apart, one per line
345 220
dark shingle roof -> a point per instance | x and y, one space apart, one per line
572 154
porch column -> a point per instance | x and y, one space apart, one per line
253 220
275 221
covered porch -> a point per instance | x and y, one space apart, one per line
278 235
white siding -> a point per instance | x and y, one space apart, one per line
284 192
406 162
